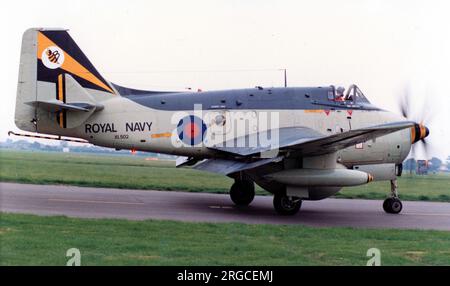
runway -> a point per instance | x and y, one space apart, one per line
87 202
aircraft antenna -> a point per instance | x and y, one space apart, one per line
285 77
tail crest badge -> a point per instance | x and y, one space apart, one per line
53 57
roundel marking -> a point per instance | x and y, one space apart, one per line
191 130
53 57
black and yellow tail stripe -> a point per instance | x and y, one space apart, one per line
61 96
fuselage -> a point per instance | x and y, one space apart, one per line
148 122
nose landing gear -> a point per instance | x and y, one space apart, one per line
393 205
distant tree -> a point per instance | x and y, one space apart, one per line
409 165
35 145
434 164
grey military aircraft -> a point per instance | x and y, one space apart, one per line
298 143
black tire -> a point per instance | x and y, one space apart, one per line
396 206
285 205
392 205
242 192
387 205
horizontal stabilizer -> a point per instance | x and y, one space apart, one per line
72 106
54 105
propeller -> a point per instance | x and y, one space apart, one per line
423 118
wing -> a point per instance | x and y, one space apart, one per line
307 141
257 142
226 167
336 142
295 140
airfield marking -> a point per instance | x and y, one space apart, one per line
427 214
95 202
220 207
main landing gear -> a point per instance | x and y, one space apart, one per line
242 192
285 205
393 205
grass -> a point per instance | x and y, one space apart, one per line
133 172
33 240
138 173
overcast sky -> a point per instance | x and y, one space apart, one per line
382 46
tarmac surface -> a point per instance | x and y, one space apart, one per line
87 202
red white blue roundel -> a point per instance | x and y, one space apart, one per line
191 130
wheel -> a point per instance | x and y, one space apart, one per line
392 205
396 206
387 205
285 205
242 192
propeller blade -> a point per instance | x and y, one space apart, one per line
405 104
426 113
404 108
425 147
413 151
424 117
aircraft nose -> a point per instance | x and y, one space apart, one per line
427 131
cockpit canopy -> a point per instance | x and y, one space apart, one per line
352 95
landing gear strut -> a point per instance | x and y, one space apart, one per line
242 192
285 205
393 205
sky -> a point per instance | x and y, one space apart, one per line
385 47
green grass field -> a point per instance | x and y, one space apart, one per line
33 240
138 173
132 172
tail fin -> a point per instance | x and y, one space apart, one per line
58 86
